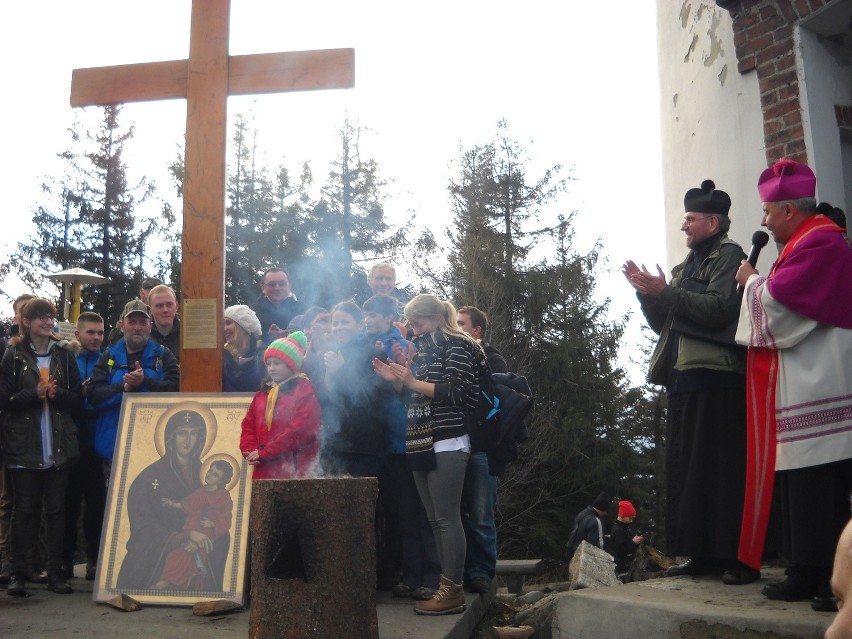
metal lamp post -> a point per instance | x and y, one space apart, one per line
74 278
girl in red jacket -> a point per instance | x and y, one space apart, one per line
280 432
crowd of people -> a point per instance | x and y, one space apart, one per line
385 388
755 367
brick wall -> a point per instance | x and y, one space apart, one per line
763 38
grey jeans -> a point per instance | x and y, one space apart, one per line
440 491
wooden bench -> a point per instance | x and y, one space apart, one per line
515 569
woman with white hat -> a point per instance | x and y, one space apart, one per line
243 360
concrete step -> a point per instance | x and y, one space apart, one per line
693 607
46 614
397 619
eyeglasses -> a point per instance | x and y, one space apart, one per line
277 283
46 318
691 220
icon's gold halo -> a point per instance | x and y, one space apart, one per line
205 466
206 414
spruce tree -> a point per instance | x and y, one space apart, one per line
347 224
91 218
252 213
584 433
496 222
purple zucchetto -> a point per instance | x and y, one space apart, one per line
786 180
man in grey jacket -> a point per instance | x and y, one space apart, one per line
703 370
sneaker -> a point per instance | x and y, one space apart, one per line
91 572
739 575
36 577
479 585
448 599
401 590
17 586
694 567
5 574
57 583
422 593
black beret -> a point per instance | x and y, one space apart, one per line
707 199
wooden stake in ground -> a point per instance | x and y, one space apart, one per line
206 80
216 607
511 632
125 603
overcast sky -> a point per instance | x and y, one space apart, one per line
576 81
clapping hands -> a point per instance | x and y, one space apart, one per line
643 280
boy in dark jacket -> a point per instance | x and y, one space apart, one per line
623 540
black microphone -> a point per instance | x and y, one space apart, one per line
759 239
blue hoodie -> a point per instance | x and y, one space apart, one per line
397 420
87 421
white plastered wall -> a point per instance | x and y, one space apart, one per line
712 123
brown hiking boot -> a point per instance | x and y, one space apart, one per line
448 599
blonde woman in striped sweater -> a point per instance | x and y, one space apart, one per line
442 386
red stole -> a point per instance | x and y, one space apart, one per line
762 377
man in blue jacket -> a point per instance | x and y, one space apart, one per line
85 479
134 364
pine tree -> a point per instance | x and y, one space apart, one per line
576 447
252 216
588 432
496 221
92 221
347 225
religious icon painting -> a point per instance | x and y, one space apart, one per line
177 517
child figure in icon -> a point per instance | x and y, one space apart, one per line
209 512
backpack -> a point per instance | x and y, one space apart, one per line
505 400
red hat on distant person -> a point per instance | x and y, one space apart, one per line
626 509
786 180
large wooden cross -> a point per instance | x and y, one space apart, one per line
206 80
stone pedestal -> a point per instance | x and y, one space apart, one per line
313 561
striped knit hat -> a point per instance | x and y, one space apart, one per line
290 350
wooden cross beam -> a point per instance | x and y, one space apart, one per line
206 80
